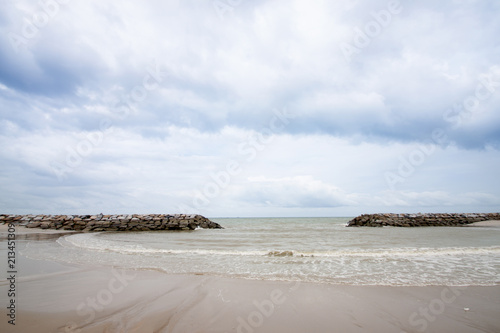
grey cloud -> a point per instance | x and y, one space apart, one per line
239 80
84 65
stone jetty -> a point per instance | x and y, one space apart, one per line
100 222
419 220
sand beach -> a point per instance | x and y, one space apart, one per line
113 300
55 297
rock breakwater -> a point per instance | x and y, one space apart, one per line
100 222
419 220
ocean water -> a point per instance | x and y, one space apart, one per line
295 249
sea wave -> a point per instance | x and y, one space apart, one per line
93 243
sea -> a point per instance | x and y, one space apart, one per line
320 250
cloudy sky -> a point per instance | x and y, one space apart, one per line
249 108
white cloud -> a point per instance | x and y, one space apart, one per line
298 191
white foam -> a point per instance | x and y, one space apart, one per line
92 242
405 252
340 256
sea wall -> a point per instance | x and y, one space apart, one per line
100 222
419 220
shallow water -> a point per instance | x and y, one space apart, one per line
305 249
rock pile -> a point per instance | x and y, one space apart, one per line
100 222
419 220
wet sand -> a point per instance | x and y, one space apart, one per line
111 300
490 224
23 233
105 299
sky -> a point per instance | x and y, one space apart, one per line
239 108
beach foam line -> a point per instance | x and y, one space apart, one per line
91 242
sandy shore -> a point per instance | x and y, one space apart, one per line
21 230
103 299
112 300
23 233
490 224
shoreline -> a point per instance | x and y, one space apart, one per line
105 299
483 224
112 300
92 299
23 233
